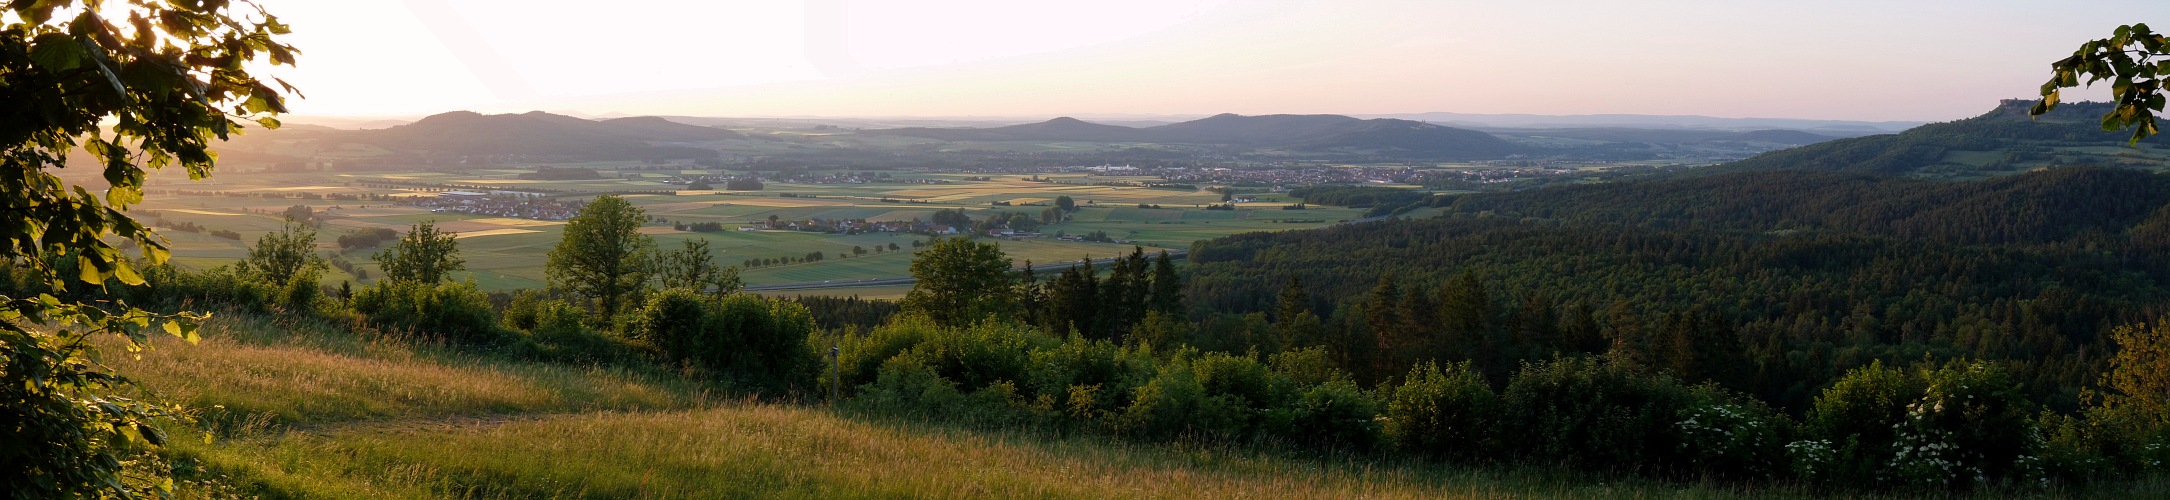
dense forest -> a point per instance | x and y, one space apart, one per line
2006 129
1805 275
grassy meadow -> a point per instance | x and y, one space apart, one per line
509 253
305 409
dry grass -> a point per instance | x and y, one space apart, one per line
770 451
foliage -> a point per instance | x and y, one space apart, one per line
694 268
284 257
453 311
759 343
602 255
960 281
2135 60
1447 412
1599 414
2138 382
423 255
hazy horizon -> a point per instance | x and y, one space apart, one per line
1856 61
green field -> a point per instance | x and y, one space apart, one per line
505 254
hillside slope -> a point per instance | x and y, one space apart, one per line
2006 134
311 410
539 134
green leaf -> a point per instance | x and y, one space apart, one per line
56 52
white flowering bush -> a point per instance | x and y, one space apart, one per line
1969 428
1730 439
1813 460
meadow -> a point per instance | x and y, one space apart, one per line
313 409
505 253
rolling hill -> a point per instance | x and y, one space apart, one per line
539 134
2002 141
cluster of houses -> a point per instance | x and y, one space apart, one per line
498 203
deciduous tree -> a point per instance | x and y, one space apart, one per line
603 256
135 95
424 255
960 281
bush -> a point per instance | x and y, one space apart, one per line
1597 414
1729 436
1449 412
1337 414
457 312
1851 427
1970 426
1174 404
759 343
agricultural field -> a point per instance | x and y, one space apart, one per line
506 253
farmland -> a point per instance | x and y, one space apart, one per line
506 252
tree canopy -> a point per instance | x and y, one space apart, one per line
603 256
960 281
423 255
142 94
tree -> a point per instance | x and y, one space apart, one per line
423 255
1065 203
960 281
694 267
2139 378
1167 296
280 257
2134 59
153 95
602 256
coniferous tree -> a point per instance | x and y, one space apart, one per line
1167 286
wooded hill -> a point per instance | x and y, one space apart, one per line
2005 131
536 133
1802 275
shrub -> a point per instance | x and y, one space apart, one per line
456 312
1174 404
1083 380
1337 414
1970 426
1851 427
1449 412
981 354
759 343
1599 414
1729 436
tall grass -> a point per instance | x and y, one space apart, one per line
314 410
769 450
256 371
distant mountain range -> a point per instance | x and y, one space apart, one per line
542 134
2002 140
1827 127
1296 132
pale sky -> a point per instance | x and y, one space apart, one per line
1820 59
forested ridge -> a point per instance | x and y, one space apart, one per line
1812 274
2007 127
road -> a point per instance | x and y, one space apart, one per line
1177 253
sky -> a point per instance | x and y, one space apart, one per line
1913 60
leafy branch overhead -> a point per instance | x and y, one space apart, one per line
138 85
2135 60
